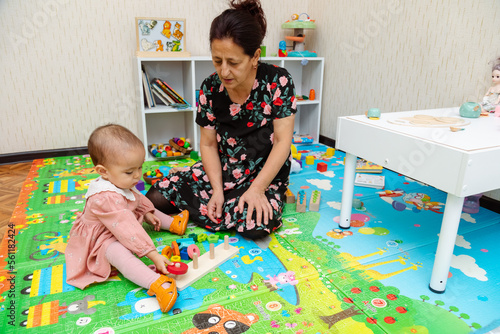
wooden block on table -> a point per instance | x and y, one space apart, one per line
314 201
205 265
301 201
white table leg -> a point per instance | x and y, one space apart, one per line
446 243
347 191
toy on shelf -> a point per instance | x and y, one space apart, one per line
150 177
298 37
491 100
177 148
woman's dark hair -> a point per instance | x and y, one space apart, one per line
244 23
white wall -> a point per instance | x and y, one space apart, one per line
68 66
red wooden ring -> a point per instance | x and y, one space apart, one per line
177 268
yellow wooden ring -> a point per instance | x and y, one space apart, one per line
175 258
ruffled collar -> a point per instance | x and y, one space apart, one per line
100 185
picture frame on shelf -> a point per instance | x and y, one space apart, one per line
161 37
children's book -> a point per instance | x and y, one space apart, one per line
370 181
160 96
363 166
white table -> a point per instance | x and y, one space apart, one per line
459 163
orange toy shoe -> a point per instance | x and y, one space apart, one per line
166 297
180 222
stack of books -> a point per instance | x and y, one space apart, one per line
166 93
370 181
157 88
148 95
363 166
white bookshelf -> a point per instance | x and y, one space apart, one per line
185 75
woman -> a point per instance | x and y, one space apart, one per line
246 117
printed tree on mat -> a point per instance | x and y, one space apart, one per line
334 318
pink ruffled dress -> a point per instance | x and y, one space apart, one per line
110 214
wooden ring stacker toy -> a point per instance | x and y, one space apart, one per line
177 147
177 268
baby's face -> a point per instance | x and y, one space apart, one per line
125 171
495 77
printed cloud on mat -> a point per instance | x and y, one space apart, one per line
321 184
469 267
334 205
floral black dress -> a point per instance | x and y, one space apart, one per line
245 139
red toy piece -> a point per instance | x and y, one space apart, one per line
322 167
177 268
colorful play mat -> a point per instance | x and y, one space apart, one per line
308 277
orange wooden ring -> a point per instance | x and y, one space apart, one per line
175 248
167 252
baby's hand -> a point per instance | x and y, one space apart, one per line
152 220
160 261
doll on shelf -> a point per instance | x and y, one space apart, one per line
492 98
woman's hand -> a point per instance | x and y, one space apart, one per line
152 220
256 200
160 261
214 206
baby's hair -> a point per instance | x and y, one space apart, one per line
108 141
496 65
